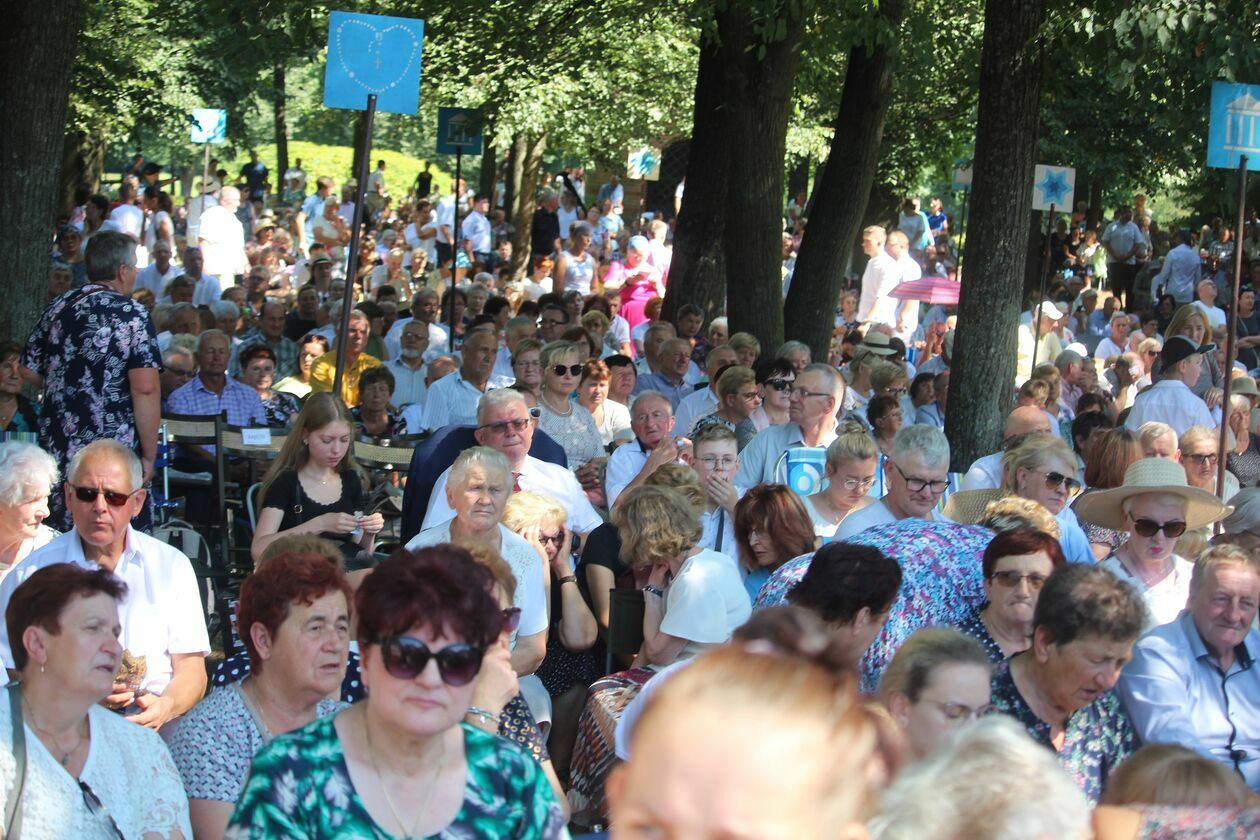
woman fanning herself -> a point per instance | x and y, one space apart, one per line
315 487
401 763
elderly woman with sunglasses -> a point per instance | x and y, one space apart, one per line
1199 457
1016 564
88 772
1042 468
477 490
1156 506
401 763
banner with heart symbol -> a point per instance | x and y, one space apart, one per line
373 54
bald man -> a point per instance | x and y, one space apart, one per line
986 472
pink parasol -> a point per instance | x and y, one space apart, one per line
928 289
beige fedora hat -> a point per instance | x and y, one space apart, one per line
1150 475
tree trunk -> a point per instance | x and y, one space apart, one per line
509 180
527 153
1094 215
82 162
983 364
840 201
697 270
38 42
489 171
758 92
282 128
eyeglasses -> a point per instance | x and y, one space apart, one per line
856 483
1012 579
801 393
517 425
779 385
511 620
181 373
751 395
916 485
1202 458
957 712
557 538
713 462
1055 480
551 322
112 497
572 370
405 658
98 810
895 392
1148 527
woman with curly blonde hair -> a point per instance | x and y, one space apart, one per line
694 597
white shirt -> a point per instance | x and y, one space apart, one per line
616 425
1122 236
907 310
128 218
1169 401
128 767
872 515
760 460
161 614
155 281
207 290
882 274
451 401
626 462
409 387
526 566
476 229
705 602
1167 598
690 409
445 218
1214 314
536 476
502 375
985 473
222 241
1106 349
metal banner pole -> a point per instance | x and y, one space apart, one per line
456 243
962 228
352 267
1230 337
1045 277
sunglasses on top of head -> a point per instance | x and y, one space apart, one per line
406 657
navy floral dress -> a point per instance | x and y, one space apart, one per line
86 343
1098 737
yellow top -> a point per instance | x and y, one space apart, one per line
324 371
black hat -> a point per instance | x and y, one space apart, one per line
1180 347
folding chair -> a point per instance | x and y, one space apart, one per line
203 430
217 586
258 458
625 624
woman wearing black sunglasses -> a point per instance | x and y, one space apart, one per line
1156 506
566 421
1042 469
401 763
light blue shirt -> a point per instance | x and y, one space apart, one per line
1179 274
1176 693
759 462
1072 538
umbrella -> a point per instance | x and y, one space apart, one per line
928 289
941 582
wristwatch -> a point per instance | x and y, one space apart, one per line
655 590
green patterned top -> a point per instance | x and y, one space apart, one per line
299 786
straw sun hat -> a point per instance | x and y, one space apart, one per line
1151 475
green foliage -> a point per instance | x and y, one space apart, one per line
400 169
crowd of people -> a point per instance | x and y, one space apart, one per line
649 577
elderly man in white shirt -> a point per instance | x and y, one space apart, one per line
222 237
504 424
917 475
907 311
705 401
651 420
1170 400
409 368
878 279
161 615
816 397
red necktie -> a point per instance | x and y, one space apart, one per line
516 482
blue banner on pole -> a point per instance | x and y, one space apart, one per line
374 54
459 130
209 125
1235 127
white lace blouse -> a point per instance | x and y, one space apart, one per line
128 768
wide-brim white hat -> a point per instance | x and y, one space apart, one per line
1151 475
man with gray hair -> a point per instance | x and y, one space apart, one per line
506 425
817 396
917 473
161 617
222 238
669 377
179 366
213 392
1070 364
95 353
206 287
159 271
651 420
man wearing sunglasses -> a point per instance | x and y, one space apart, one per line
161 616
817 396
506 424
916 474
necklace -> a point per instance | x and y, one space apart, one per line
1148 580
428 794
554 410
321 481
48 736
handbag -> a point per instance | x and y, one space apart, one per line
12 814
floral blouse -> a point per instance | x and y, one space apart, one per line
1098 737
280 408
1169 823
299 786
